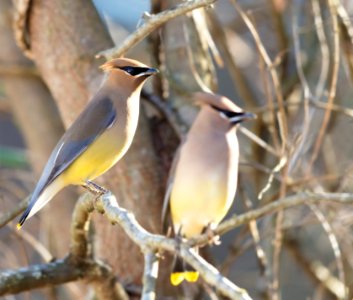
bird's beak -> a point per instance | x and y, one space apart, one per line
242 116
148 72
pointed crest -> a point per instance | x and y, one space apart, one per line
121 62
222 102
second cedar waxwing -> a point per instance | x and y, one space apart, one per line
205 173
99 137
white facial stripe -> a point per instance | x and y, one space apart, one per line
223 115
236 119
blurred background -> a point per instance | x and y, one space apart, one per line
290 62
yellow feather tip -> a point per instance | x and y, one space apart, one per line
191 276
177 278
18 226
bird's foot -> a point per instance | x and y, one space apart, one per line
95 188
213 239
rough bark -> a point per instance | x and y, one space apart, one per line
37 116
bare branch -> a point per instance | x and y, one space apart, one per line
151 24
333 84
166 110
65 270
334 243
315 270
78 265
150 275
80 226
107 204
271 68
242 85
37 276
273 207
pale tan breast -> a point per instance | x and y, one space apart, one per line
205 181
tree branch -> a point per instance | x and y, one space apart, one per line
38 276
150 275
153 22
76 266
65 270
79 228
107 204
273 207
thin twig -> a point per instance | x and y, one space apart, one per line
334 243
315 270
270 66
324 48
35 243
260 142
333 84
297 151
151 24
242 85
165 109
260 253
273 207
346 30
150 275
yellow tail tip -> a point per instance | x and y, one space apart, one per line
18 226
177 278
191 276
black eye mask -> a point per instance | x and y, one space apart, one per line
134 71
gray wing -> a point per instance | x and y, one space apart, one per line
99 115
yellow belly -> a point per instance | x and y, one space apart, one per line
99 157
196 206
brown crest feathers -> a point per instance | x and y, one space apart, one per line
222 102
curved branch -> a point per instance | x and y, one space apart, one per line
107 204
273 207
37 276
151 24
79 228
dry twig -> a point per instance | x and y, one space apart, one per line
153 22
333 84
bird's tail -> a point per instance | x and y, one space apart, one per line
39 199
182 271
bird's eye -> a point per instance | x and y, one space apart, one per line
134 71
129 70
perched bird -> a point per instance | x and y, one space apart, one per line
204 180
99 137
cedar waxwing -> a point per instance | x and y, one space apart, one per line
205 173
99 137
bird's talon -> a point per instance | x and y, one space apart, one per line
213 239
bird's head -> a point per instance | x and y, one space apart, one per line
222 108
128 69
